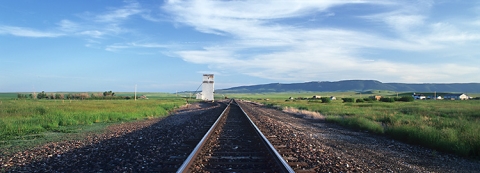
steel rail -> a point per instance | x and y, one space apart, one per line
284 167
278 158
189 161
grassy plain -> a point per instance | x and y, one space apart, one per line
24 121
443 125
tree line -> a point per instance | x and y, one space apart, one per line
107 95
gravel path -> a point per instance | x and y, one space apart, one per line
326 147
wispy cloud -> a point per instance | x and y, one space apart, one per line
119 14
27 32
93 25
295 53
118 46
68 26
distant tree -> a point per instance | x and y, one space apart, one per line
108 93
387 99
352 100
41 95
97 95
58 96
325 100
84 96
406 99
360 100
22 96
368 99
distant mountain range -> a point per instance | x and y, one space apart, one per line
356 85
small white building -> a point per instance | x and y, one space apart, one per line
207 88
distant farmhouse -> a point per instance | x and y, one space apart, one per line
456 97
376 97
419 96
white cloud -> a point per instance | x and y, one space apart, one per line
119 14
133 45
68 26
400 22
92 33
293 53
94 25
447 32
27 32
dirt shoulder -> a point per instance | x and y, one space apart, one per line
326 147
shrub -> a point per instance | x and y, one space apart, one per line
325 100
368 99
360 100
387 99
406 99
352 100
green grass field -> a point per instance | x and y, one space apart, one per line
30 121
444 125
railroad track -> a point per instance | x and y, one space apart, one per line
234 144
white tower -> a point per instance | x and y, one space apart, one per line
207 88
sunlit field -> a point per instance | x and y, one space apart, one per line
444 125
29 119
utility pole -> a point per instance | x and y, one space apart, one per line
135 92
34 96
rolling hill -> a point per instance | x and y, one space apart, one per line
355 85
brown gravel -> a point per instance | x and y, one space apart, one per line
326 147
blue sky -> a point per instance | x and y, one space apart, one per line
166 46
